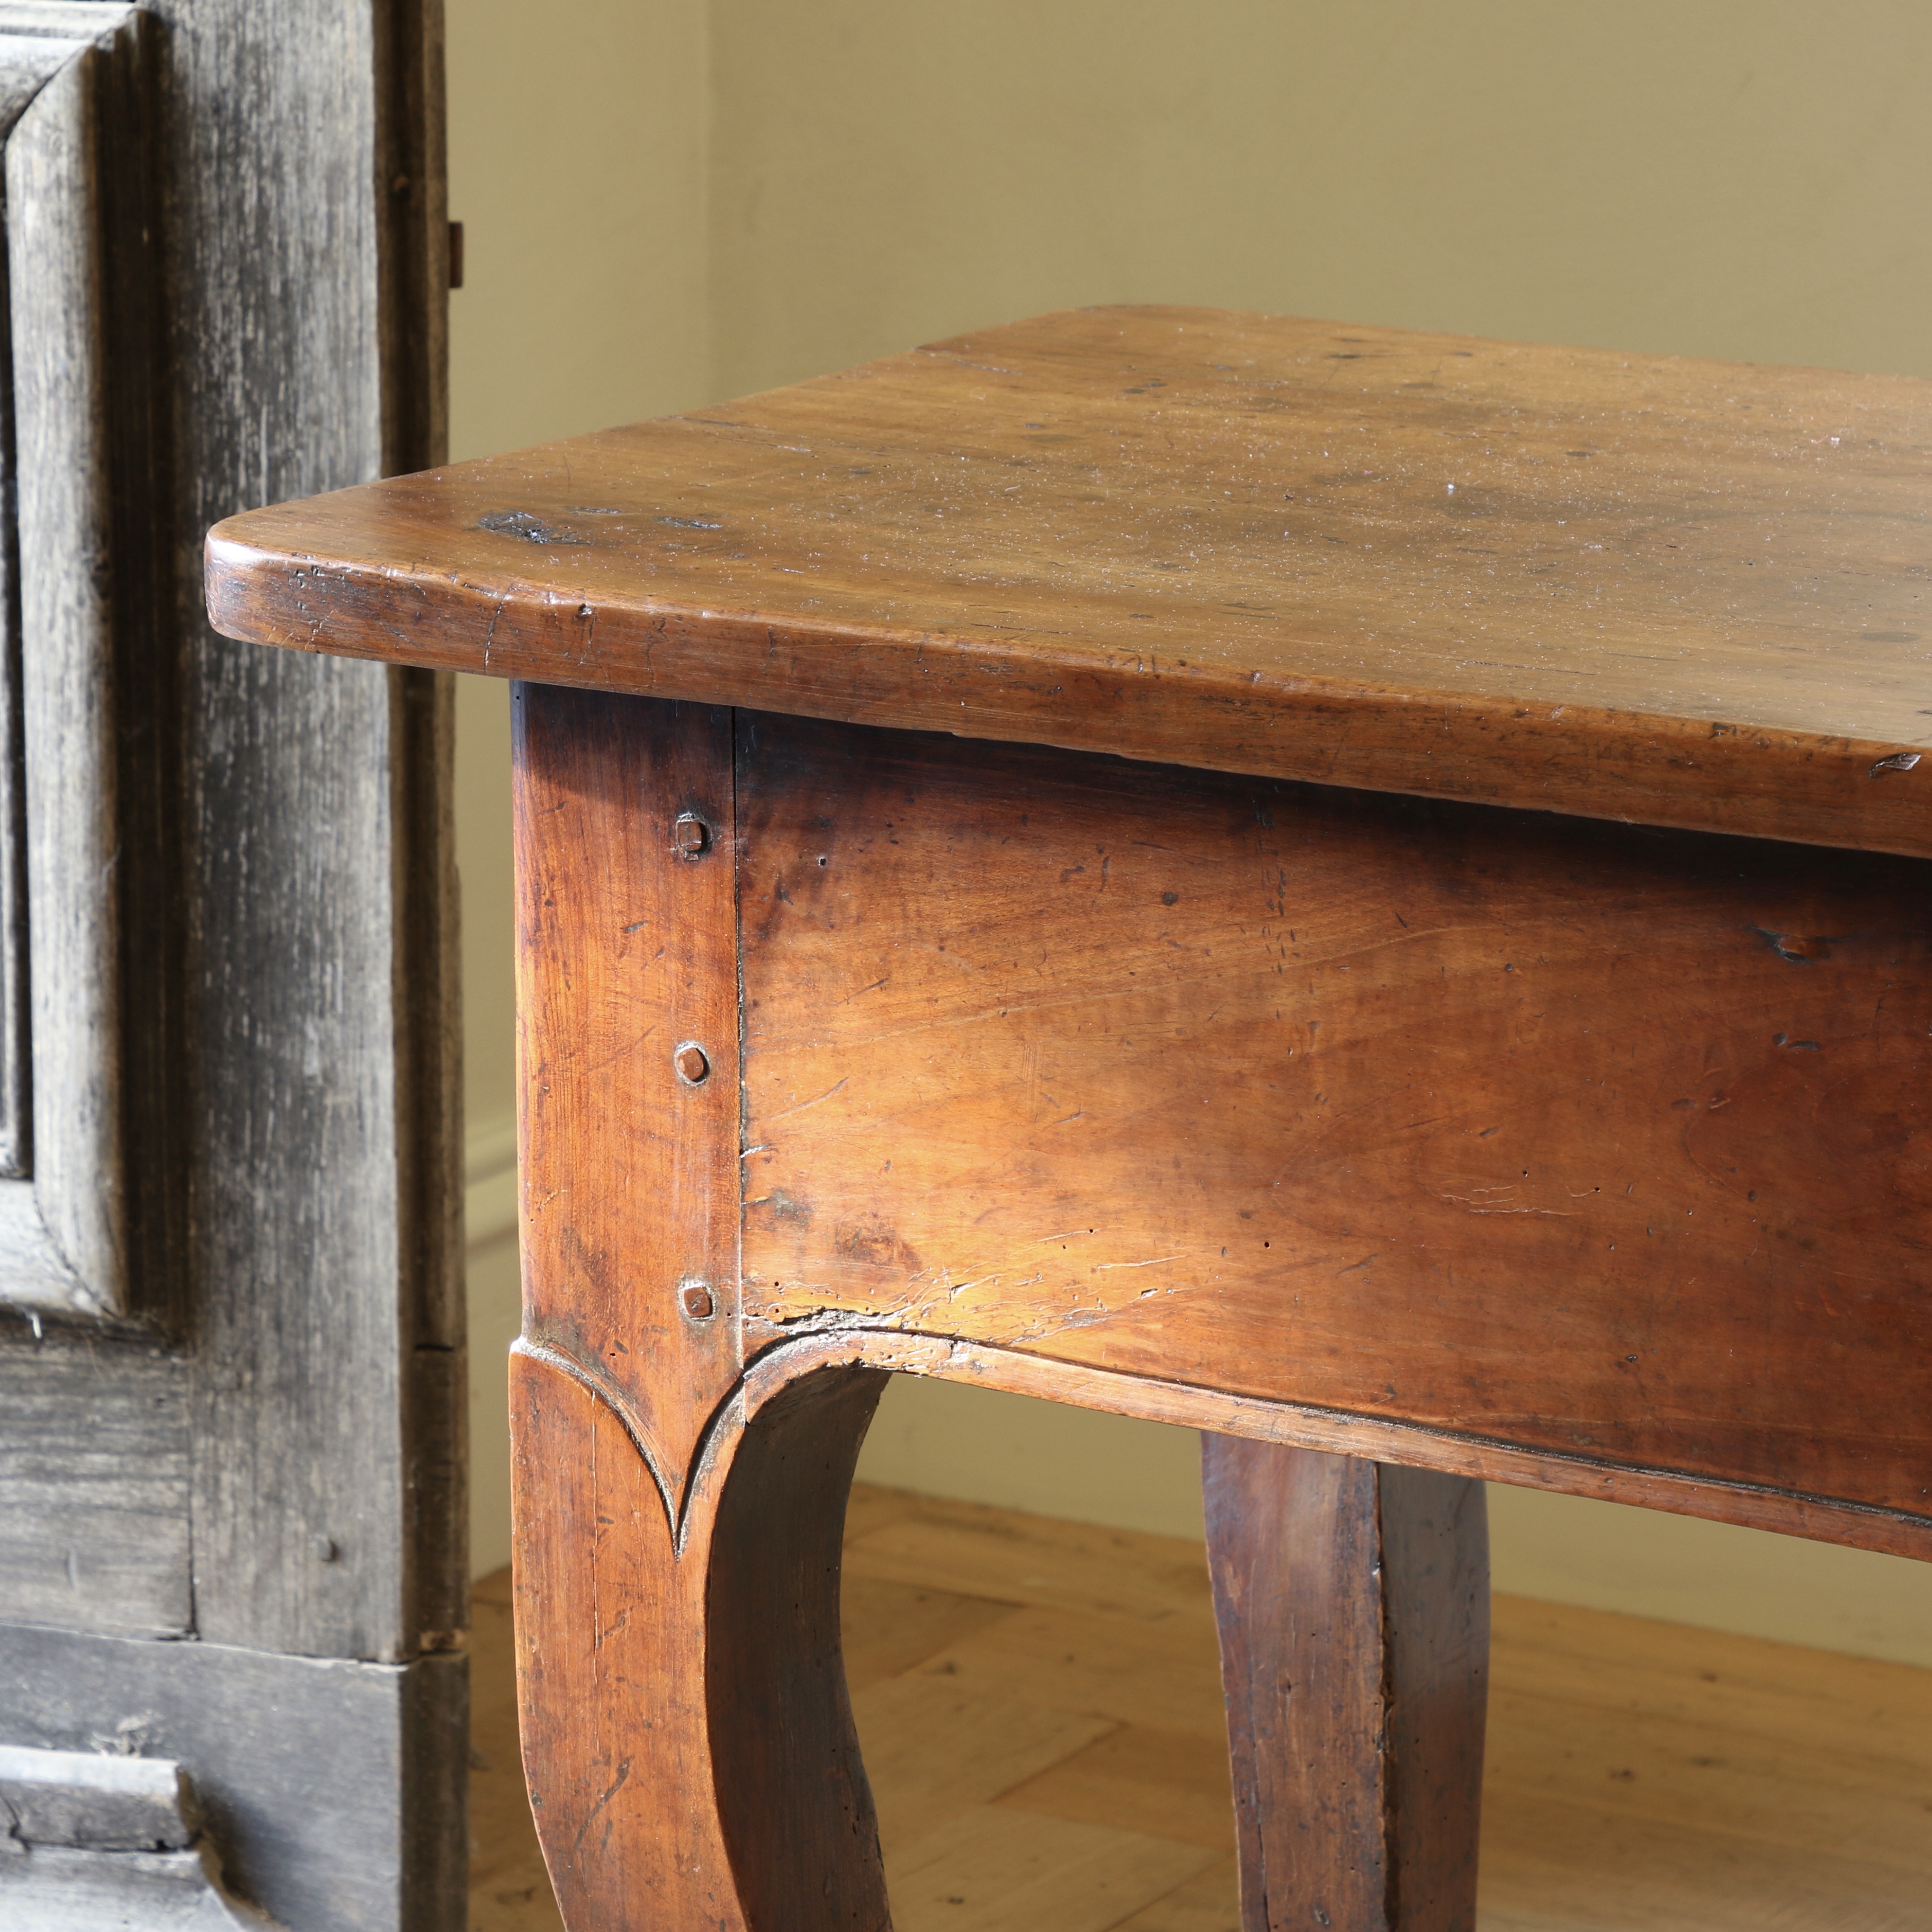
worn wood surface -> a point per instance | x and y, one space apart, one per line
56 1888
686 1731
103 1804
293 1759
429 1154
1687 593
626 985
27 62
1379 1088
1519 1129
268 1455
1353 1600
63 429
96 1840
1019 1371
79 827
94 1483
303 837
359 763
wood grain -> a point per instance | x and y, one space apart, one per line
302 1427
899 1625
686 1731
77 817
1706 1775
1685 593
994 1745
94 1484
1169 1784
293 1759
626 959
430 1157
1354 1606
63 430
1640 1774
317 1240
997 1867
27 61
241 919
1513 1129
1340 1431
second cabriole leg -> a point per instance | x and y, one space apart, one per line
1353 1602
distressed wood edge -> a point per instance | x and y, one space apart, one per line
63 19
87 1834
1624 767
75 1888
108 1804
27 62
62 437
70 366
34 1274
292 1758
312 1262
1371 1438
434 1777
307 1380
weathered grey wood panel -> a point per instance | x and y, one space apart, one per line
66 440
80 605
264 1463
62 1889
26 64
93 1482
299 1764
320 1120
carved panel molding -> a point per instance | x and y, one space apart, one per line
81 801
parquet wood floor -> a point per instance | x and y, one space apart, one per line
1041 1714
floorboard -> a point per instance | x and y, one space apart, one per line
1040 1707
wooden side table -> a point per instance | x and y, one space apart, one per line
1366 892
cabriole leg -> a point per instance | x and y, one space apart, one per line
687 1735
1354 1607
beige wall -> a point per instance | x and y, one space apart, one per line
667 202
1734 178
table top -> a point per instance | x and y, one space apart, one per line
1680 593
